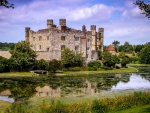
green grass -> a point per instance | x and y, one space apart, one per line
17 74
4 105
141 109
138 65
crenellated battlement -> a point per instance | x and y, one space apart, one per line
93 27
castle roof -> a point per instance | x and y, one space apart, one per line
110 48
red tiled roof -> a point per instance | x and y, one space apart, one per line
110 48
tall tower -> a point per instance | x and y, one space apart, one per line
49 23
84 31
93 30
101 36
62 22
27 29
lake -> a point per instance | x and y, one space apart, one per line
17 88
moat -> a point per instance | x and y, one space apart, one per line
19 89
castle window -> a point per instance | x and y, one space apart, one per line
76 48
76 38
88 40
62 47
47 37
47 49
40 47
33 38
63 38
87 55
88 48
40 38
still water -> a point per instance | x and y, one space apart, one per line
14 89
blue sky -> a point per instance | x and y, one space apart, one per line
121 19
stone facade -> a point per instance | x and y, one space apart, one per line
49 42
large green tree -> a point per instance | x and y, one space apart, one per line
69 58
115 44
23 57
145 7
54 65
144 54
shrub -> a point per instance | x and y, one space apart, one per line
54 65
95 64
2 67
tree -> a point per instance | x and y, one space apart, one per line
54 65
6 4
71 59
107 58
3 64
115 60
125 60
23 57
144 54
144 7
99 55
127 47
42 64
115 44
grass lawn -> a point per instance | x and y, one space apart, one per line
4 105
141 109
17 74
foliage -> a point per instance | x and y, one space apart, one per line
3 64
71 59
124 61
115 60
2 67
121 54
6 46
144 54
42 64
54 65
127 47
23 57
94 63
144 7
115 44
134 59
6 4
99 55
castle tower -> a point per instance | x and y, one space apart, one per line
27 29
62 22
101 37
93 30
84 30
49 23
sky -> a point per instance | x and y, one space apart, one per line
121 19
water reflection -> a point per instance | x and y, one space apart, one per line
79 86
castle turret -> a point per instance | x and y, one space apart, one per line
93 30
101 37
84 31
62 22
49 23
27 29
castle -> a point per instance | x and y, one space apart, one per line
49 42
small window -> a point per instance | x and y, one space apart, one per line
62 47
76 38
88 40
63 38
76 48
47 49
33 38
47 37
40 47
40 38
88 48
87 55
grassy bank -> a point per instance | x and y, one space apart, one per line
4 105
104 105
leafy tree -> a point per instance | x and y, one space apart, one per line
54 65
125 60
23 57
107 57
121 55
127 47
71 59
42 64
93 65
144 55
144 7
115 44
115 60
3 64
99 55
6 4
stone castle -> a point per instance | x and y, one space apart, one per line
49 42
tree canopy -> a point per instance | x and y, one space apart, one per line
6 4
144 7
23 57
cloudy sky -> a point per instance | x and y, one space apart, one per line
121 19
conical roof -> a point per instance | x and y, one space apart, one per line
110 48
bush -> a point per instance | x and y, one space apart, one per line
54 65
95 64
75 69
2 67
106 68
